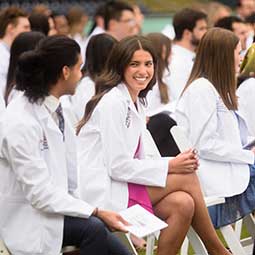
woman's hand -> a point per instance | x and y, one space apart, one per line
184 163
113 220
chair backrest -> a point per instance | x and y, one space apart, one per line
3 249
180 138
150 148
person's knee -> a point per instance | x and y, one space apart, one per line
97 229
183 205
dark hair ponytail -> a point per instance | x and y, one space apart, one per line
39 70
23 42
30 76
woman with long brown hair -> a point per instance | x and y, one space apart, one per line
160 94
207 110
160 106
111 154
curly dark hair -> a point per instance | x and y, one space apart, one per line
38 70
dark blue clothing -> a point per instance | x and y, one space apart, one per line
235 207
92 237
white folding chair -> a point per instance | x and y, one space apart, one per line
228 233
3 248
124 238
69 249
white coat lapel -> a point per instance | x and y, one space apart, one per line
124 91
45 118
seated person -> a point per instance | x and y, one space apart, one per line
246 89
41 211
113 171
207 110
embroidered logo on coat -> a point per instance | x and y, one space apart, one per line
44 144
128 117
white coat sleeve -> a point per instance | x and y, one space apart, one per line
21 148
2 105
204 129
83 93
119 160
246 93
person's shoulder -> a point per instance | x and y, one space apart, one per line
19 113
113 98
202 84
85 85
201 87
182 58
248 84
112 104
85 81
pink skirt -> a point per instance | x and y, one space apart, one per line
138 194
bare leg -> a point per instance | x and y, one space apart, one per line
177 209
201 222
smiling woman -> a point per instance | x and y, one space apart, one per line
130 55
112 159
139 72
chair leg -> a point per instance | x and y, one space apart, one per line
196 242
238 228
3 249
70 250
185 247
150 244
232 240
249 222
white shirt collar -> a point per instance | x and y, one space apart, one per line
51 103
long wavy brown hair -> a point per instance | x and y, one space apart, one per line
113 74
215 61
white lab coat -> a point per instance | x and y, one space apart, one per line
107 144
213 130
4 65
75 105
14 93
246 94
38 176
155 105
180 68
85 90
2 105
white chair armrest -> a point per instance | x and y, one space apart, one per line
209 201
